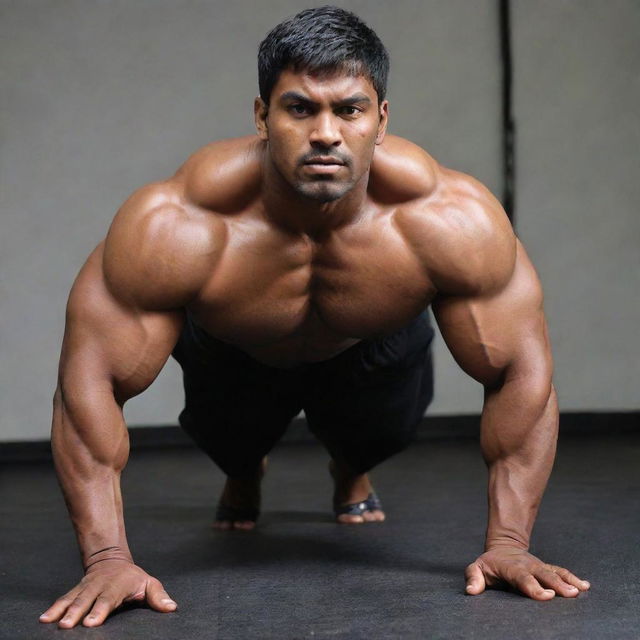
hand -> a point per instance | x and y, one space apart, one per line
105 587
525 572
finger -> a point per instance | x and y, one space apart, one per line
57 609
475 579
528 584
77 609
102 607
567 576
158 598
553 581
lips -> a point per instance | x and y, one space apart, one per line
324 160
323 165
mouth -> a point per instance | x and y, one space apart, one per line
324 165
324 160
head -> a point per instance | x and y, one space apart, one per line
322 107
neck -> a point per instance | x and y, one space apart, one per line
299 214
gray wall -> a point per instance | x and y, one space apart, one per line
577 102
102 97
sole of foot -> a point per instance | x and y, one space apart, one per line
240 494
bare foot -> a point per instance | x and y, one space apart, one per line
240 495
352 488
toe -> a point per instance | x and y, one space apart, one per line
345 518
244 525
222 525
374 516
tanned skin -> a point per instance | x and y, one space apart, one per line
294 261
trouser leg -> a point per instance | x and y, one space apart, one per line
236 409
367 406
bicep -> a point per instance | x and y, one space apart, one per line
110 346
500 333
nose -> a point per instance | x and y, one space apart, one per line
326 132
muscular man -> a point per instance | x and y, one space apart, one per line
292 270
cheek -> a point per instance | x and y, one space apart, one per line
365 131
280 146
364 141
288 143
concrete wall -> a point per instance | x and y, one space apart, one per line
102 97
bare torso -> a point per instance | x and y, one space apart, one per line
287 297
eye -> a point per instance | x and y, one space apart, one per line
298 109
349 110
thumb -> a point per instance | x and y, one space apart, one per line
158 598
475 579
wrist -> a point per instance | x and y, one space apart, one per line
497 542
108 553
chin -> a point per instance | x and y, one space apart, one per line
323 191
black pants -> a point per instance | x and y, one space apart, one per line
364 404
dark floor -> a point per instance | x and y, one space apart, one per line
302 576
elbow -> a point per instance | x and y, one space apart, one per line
529 380
532 370
87 418
538 389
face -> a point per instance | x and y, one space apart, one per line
322 131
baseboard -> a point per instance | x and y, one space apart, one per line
432 427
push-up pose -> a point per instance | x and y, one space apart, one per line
291 270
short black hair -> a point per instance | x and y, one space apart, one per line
322 40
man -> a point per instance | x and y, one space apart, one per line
292 270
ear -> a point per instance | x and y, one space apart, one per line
260 112
384 118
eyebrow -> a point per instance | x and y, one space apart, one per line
357 98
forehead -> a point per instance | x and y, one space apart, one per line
324 86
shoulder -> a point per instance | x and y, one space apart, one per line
461 233
401 171
160 248
168 236
223 176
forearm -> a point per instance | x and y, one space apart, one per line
90 448
518 436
